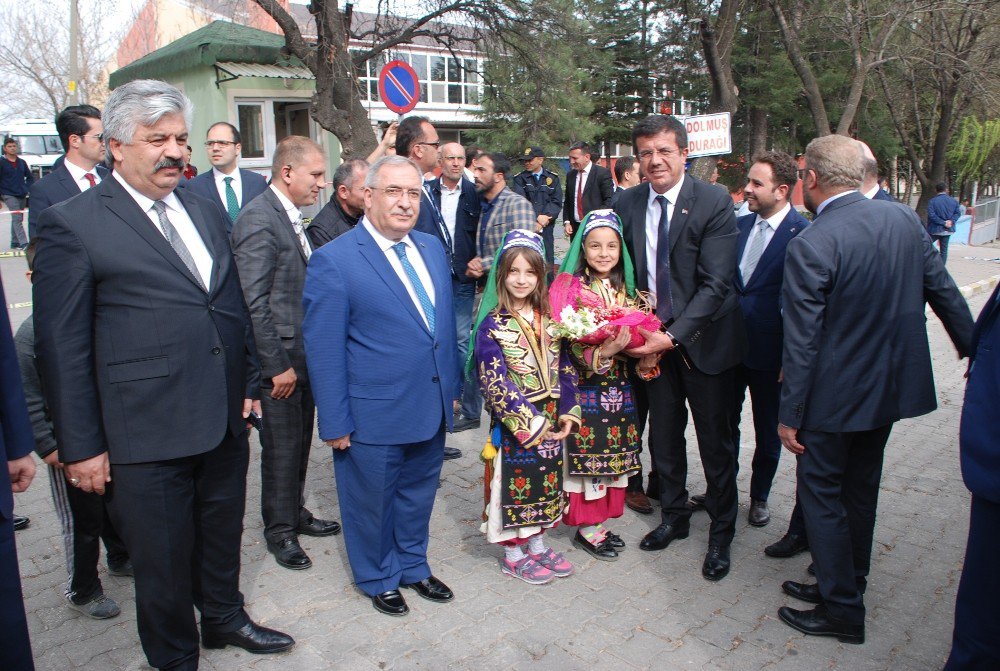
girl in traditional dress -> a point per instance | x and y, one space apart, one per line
602 455
529 387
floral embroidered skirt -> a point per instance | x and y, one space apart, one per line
608 441
524 485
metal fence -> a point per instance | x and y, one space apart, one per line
984 222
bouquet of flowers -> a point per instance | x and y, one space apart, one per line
580 314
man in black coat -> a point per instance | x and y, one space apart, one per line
344 209
148 360
540 186
79 128
588 187
681 233
856 359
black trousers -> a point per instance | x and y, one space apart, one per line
765 392
711 401
976 641
284 458
90 523
838 481
15 650
640 396
182 522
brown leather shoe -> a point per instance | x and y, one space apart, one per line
638 502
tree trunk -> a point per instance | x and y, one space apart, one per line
790 38
717 43
758 131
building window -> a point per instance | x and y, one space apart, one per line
443 80
251 124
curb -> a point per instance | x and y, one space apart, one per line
978 287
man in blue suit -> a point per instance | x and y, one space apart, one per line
379 333
760 265
943 212
976 642
17 442
226 185
79 128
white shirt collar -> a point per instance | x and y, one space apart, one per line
445 189
672 194
146 204
822 206
219 175
384 243
77 173
291 211
775 219
870 195
586 171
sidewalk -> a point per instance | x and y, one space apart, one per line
648 610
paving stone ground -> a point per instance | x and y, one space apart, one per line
647 610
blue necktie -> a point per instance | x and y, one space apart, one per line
664 300
418 287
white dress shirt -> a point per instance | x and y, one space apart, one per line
413 256
772 225
822 206
78 175
579 187
870 195
220 184
182 223
449 207
294 215
653 230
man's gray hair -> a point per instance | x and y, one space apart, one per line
142 102
371 180
837 161
347 172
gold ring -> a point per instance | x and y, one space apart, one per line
74 481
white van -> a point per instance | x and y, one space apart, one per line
38 141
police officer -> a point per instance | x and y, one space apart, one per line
542 188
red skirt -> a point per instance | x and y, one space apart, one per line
584 513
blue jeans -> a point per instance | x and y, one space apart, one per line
464 299
942 241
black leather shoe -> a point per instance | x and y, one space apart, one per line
789 546
811 569
638 502
602 550
696 502
716 566
663 535
21 522
452 453
431 589
289 553
391 603
463 423
759 515
251 637
318 527
802 591
615 541
817 622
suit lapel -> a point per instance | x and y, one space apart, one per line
125 208
285 225
376 257
200 219
741 243
637 217
679 218
68 183
775 249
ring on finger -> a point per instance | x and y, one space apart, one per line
75 482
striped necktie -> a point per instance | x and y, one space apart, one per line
418 286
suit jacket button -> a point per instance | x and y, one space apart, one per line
211 308
216 350
434 379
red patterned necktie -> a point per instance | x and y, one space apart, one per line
90 178
579 196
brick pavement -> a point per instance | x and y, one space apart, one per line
648 610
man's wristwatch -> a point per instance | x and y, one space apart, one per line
672 338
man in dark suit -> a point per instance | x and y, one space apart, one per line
148 361
227 185
588 187
271 251
380 339
79 128
344 209
17 443
976 641
869 186
760 264
456 199
681 234
541 187
943 212
856 359
417 140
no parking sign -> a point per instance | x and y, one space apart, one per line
399 87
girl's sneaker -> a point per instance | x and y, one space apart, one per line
528 570
554 562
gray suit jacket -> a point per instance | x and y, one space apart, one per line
272 269
856 355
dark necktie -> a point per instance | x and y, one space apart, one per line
664 300
442 227
232 204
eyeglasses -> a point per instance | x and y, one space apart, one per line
647 154
395 192
436 144
99 137
220 143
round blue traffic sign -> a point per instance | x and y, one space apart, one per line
399 87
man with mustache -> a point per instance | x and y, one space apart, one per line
147 356
272 250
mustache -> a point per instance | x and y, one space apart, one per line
169 163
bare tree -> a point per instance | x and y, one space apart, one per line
34 55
